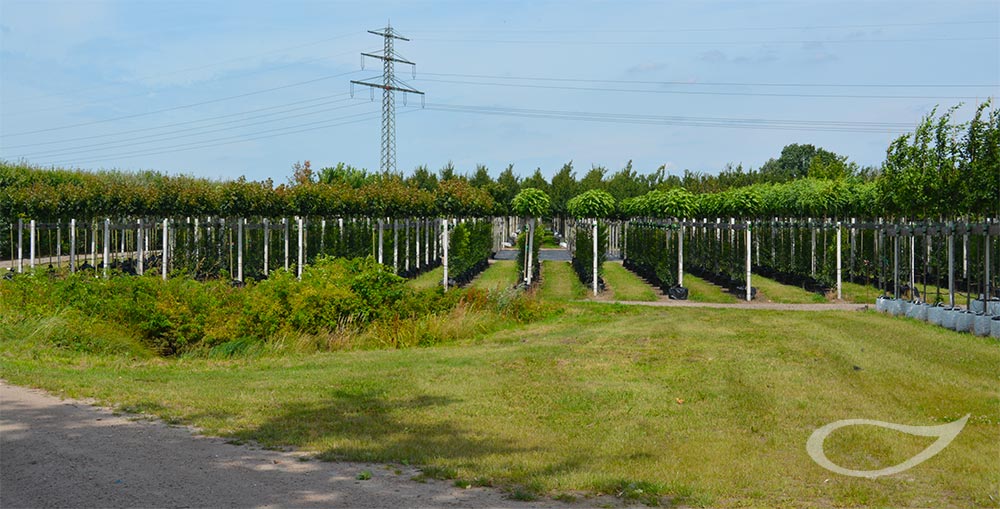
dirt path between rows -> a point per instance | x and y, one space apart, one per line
68 453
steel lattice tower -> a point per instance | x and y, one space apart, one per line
389 85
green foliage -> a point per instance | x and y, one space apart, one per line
675 203
180 315
594 203
470 244
531 202
50 194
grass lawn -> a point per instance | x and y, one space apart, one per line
428 279
688 406
785 294
500 274
559 282
625 285
700 290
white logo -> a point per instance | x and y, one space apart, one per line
945 433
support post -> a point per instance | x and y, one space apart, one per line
444 262
58 244
395 246
812 251
680 256
986 285
107 245
951 265
302 259
140 253
284 223
380 240
595 258
913 264
267 244
840 293
749 251
20 245
31 245
895 264
239 248
416 244
529 245
72 245
164 254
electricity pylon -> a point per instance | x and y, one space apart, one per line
389 85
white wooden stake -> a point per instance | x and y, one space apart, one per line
380 240
301 253
839 289
107 245
749 251
164 255
267 243
680 257
444 245
595 257
20 248
284 223
72 245
31 250
139 248
417 243
951 266
395 246
239 248
530 255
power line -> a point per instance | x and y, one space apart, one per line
709 83
689 92
192 105
725 122
197 68
174 124
224 141
718 29
712 43
195 131
143 94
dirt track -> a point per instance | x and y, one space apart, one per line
66 453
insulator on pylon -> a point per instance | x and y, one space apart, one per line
352 90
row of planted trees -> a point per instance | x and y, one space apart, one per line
147 222
660 236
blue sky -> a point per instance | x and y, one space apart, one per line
222 89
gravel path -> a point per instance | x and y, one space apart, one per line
67 453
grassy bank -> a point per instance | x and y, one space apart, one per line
693 406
